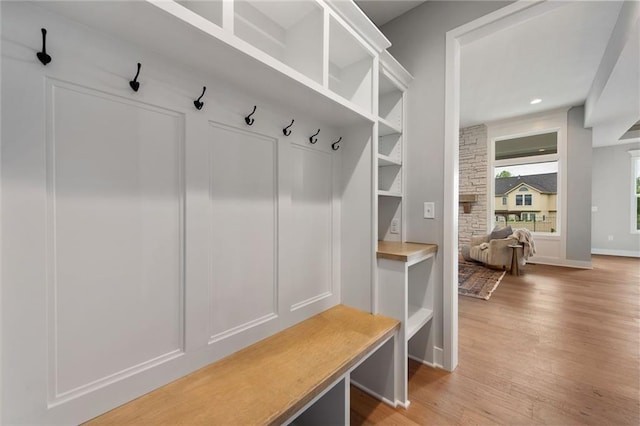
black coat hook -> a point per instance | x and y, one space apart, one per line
286 130
42 56
313 138
248 118
197 102
135 85
334 146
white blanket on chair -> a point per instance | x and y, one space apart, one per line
525 238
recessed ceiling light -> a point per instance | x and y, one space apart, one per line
536 101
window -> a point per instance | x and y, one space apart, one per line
504 201
635 190
525 167
527 198
529 217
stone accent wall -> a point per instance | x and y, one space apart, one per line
473 180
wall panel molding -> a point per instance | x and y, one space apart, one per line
114 240
243 257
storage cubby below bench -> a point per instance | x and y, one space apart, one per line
298 376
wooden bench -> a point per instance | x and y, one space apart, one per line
272 381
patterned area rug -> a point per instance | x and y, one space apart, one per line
475 280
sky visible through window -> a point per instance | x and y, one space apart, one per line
530 169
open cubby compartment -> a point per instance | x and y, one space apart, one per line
420 310
390 102
420 297
330 408
289 31
350 67
209 10
390 179
389 209
390 147
376 374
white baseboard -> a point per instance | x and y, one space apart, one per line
623 253
554 261
376 395
438 357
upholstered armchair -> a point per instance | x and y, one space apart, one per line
495 252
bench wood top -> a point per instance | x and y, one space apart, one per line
267 382
404 252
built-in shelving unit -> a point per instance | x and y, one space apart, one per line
280 50
393 82
315 61
405 292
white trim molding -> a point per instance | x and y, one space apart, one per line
512 14
635 171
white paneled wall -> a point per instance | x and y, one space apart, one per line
312 203
142 238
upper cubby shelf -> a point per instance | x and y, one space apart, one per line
289 31
281 51
393 81
209 10
350 67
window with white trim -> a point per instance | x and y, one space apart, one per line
635 190
525 166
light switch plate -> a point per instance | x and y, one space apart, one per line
429 210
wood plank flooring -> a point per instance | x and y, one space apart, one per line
555 346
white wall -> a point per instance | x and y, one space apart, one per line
418 39
611 196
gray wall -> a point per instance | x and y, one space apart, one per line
418 39
612 197
578 187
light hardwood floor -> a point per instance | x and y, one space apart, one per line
555 346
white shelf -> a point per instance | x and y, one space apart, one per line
193 37
390 145
389 194
416 318
390 179
385 160
386 128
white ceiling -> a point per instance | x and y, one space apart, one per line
383 11
553 57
